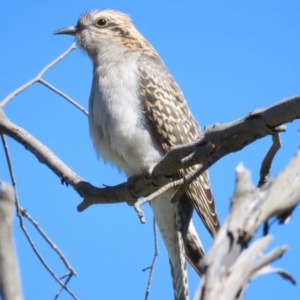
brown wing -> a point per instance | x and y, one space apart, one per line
173 124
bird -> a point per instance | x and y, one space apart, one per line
137 113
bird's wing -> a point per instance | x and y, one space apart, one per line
172 123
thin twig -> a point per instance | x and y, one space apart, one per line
69 276
48 240
36 79
57 91
64 276
20 216
58 59
182 183
11 171
156 252
265 169
45 264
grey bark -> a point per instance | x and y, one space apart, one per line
10 285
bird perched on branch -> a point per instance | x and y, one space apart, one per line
137 112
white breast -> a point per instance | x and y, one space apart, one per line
121 135
118 129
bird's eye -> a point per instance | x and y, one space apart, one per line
101 22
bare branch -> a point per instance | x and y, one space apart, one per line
66 175
250 207
48 240
11 96
40 257
57 91
11 171
217 141
247 264
10 285
69 276
22 212
268 270
265 169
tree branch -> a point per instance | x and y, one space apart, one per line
21 212
250 207
10 285
216 142
38 78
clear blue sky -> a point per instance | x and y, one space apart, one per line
229 57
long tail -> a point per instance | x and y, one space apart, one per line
179 271
194 249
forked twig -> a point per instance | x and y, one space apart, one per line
69 276
55 90
45 264
22 212
38 78
48 240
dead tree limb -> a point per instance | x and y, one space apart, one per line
10 284
250 207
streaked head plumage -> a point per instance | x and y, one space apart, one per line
99 29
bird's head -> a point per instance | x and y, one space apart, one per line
103 30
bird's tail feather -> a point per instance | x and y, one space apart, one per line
178 270
194 249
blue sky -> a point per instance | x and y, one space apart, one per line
229 57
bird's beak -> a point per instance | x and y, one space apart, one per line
67 30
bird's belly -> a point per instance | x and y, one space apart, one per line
122 137
132 151
118 127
